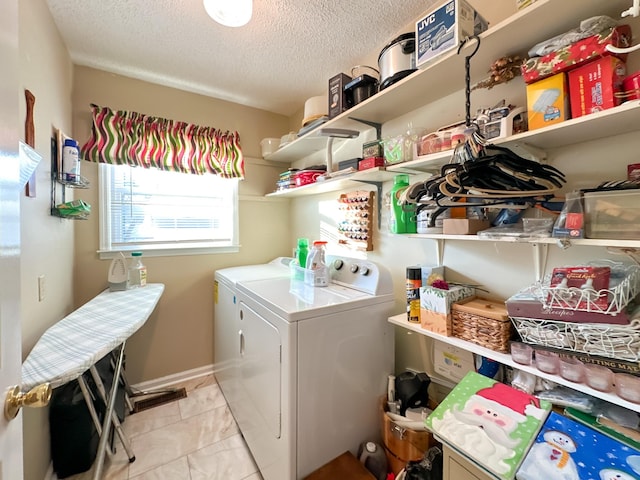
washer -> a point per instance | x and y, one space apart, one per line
314 363
225 322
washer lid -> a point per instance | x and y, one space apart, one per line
293 300
278 267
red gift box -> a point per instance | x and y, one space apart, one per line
582 288
574 55
370 162
593 86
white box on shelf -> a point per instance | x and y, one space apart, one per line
452 362
443 27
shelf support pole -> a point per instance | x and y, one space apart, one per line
440 250
377 126
378 186
540 251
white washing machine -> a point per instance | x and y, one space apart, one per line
226 328
314 363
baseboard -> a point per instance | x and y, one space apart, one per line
170 380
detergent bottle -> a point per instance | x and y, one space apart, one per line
403 217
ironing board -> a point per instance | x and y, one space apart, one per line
74 344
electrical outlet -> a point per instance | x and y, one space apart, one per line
40 288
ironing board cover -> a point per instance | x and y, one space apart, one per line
71 346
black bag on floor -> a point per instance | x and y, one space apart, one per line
429 468
74 438
73 435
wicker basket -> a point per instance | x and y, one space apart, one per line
483 322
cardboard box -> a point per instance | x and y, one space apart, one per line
428 270
571 282
339 100
435 306
451 362
548 101
463 226
593 86
370 162
525 304
572 56
441 29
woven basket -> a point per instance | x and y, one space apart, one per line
483 322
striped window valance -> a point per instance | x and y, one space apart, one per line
130 138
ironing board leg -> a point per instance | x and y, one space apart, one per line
128 391
92 410
108 419
114 416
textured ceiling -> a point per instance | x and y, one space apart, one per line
285 55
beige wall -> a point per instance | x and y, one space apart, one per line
47 242
179 335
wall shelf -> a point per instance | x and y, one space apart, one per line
614 121
561 242
514 35
342 182
505 359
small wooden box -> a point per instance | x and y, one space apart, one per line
483 322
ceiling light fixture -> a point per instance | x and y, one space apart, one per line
230 13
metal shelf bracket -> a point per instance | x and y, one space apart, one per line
377 126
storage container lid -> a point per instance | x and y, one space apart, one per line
484 307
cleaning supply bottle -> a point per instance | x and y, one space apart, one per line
302 252
402 218
137 271
316 262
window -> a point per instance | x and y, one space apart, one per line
166 213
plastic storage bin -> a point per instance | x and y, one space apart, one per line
613 214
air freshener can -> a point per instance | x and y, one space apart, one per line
414 282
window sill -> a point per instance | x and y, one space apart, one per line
149 251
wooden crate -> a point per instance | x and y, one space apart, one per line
402 444
483 322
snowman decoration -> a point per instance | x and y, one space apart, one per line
613 474
551 459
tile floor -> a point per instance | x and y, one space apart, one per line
194 438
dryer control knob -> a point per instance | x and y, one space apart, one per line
338 264
354 268
364 271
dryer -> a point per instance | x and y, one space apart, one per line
314 363
226 353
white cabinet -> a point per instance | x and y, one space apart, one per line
457 467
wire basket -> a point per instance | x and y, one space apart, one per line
621 342
626 280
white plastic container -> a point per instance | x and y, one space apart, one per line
70 161
137 271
